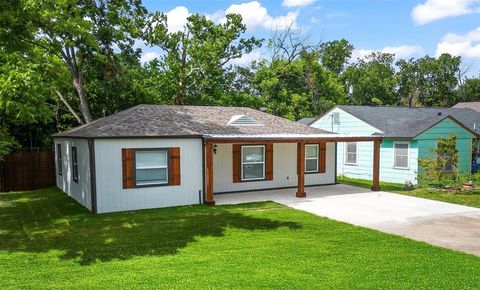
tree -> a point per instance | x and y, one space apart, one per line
196 58
71 32
24 93
434 80
469 90
334 55
443 166
371 81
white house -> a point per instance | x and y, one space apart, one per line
158 156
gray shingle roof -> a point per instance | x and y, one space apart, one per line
306 121
468 105
174 121
409 122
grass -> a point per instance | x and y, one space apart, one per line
470 198
47 240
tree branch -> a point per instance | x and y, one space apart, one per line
64 101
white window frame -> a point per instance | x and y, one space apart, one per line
152 167
394 155
312 158
252 162
345 155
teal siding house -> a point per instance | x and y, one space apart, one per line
409 135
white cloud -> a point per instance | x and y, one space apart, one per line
149 56
247 59
402 51
437 9
255 15
467 45
177 18
297 3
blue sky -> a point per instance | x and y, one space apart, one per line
408 28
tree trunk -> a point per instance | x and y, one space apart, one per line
84 109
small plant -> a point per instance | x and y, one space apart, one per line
441 170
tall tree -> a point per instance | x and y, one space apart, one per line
71 31
196 58
434 80
335 55
371 81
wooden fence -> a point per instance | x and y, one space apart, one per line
27 170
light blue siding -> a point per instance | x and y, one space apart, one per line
348 124
352 125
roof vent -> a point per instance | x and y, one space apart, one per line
439 113
242 120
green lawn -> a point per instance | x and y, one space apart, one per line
470 198
48 241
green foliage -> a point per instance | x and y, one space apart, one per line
371 81
334 55
196 59
436 79
442 168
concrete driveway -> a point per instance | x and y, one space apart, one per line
438 223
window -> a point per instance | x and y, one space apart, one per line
151 167
400 152
59 159
351 153
311 158
74 164
253 162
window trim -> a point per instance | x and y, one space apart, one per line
74 163
345 155
59 159
408 155
256 162
312 158
135 185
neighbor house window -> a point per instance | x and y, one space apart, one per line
59 159
74 164
336 118
253 162
311 158
400 152
351 153
151 167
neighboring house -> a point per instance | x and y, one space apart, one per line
306 121
468 105
409 135
158 156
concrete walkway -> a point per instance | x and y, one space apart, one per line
438 223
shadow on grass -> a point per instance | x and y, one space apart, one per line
44 220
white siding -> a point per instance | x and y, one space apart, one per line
80 190
110 193
284 169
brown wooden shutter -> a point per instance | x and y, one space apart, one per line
269 161
322 158
236 156
128 168
174 165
